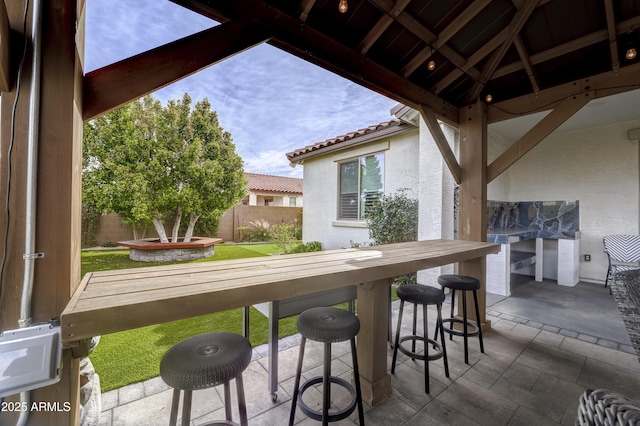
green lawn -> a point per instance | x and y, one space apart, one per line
134 355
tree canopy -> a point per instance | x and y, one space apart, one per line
147 162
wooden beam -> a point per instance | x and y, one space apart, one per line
441 141
58 204
417 60
473 199
117 84
461 20
479 54
570 46
526 62
305 8
322 50
419 30
611 29
5 63
292 36
605 84
565 110
515 26
473 59
381 26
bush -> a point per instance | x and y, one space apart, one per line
283 235
261 230
305 247
394 219
244 233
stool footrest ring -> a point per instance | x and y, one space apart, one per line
432 356
333 416
473 329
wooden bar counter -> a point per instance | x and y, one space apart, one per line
112 301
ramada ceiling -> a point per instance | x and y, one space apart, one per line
528 54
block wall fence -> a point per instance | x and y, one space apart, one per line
112 229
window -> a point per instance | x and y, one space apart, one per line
361 185
292 201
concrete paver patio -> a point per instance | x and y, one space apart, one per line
532 373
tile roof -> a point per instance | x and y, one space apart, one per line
352 138
270 183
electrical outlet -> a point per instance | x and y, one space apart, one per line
587 258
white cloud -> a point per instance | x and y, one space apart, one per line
271 102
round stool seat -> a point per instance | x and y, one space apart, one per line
328 325
420 294
459 282
204 361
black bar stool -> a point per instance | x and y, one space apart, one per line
202 362
421 295
327 325
464 284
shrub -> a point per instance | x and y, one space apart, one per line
305 247
283 235
244 233
261 230
394 219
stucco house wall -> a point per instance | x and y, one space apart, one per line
321 182
597 166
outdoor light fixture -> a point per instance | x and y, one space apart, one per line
630 45
431 65
343 6
488 98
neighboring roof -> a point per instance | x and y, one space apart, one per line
367 134
269 183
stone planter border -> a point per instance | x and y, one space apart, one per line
152 250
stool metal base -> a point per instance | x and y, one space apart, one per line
472 328
327 325
186 406
439 352
466 324
332 417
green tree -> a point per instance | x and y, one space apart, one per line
370 182
146 163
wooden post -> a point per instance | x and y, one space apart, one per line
58 187
373 312
473 197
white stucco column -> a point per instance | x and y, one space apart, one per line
435 197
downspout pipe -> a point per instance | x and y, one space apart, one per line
31 188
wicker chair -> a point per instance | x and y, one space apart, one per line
602 407
623 252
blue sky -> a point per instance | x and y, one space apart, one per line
270 101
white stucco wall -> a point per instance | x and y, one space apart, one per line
319 221
597 166
278 199
498 188
436 219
